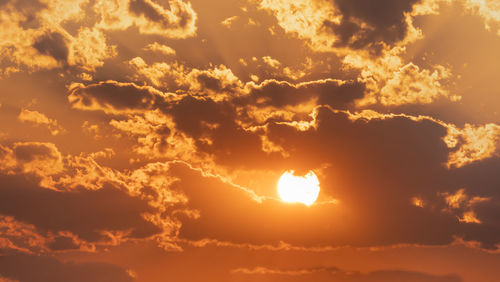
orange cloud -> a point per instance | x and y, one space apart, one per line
178 21
489 10
47 44
391 82
473 143
164 49
40 119
32 157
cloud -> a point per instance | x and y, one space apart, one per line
54 45
364 24
31 157
324 274
489 10
44 268
36 38
156 136
390 82
179 118
81 204
89 49
279 94
40 119
305 19
339 25
114 97
177 21
473 143
346 151
164 49
229 21
176 77
88 214
372 42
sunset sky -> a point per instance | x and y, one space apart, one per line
250 140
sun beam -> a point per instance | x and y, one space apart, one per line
298 189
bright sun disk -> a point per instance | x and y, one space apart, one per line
298 189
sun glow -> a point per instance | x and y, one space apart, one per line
298 189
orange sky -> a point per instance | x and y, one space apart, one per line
143 140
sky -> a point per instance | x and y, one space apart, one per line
250 140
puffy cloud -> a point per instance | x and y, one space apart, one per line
487 9
472 143
54 45
391 82
271 62
40 119
35 38
342 25
214 128
31 157
369 24
306 19
156 136
178 78
164 49
279 94
177 144
89 49
371 42
177 21
114 97
39 37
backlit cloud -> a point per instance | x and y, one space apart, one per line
140 137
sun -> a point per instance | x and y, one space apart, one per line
298 189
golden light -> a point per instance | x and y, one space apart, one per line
298 189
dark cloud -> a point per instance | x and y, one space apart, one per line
153 12
63 243
206 120
112 95
145 8
481 179
85 213
378 165
27 152
27 268
373 167
334 93
209 82
386 21
190 114
217 119
53 44
29 8
272 221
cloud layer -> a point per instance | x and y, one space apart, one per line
140 137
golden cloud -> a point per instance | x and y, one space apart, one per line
40 119
391 82
179 21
